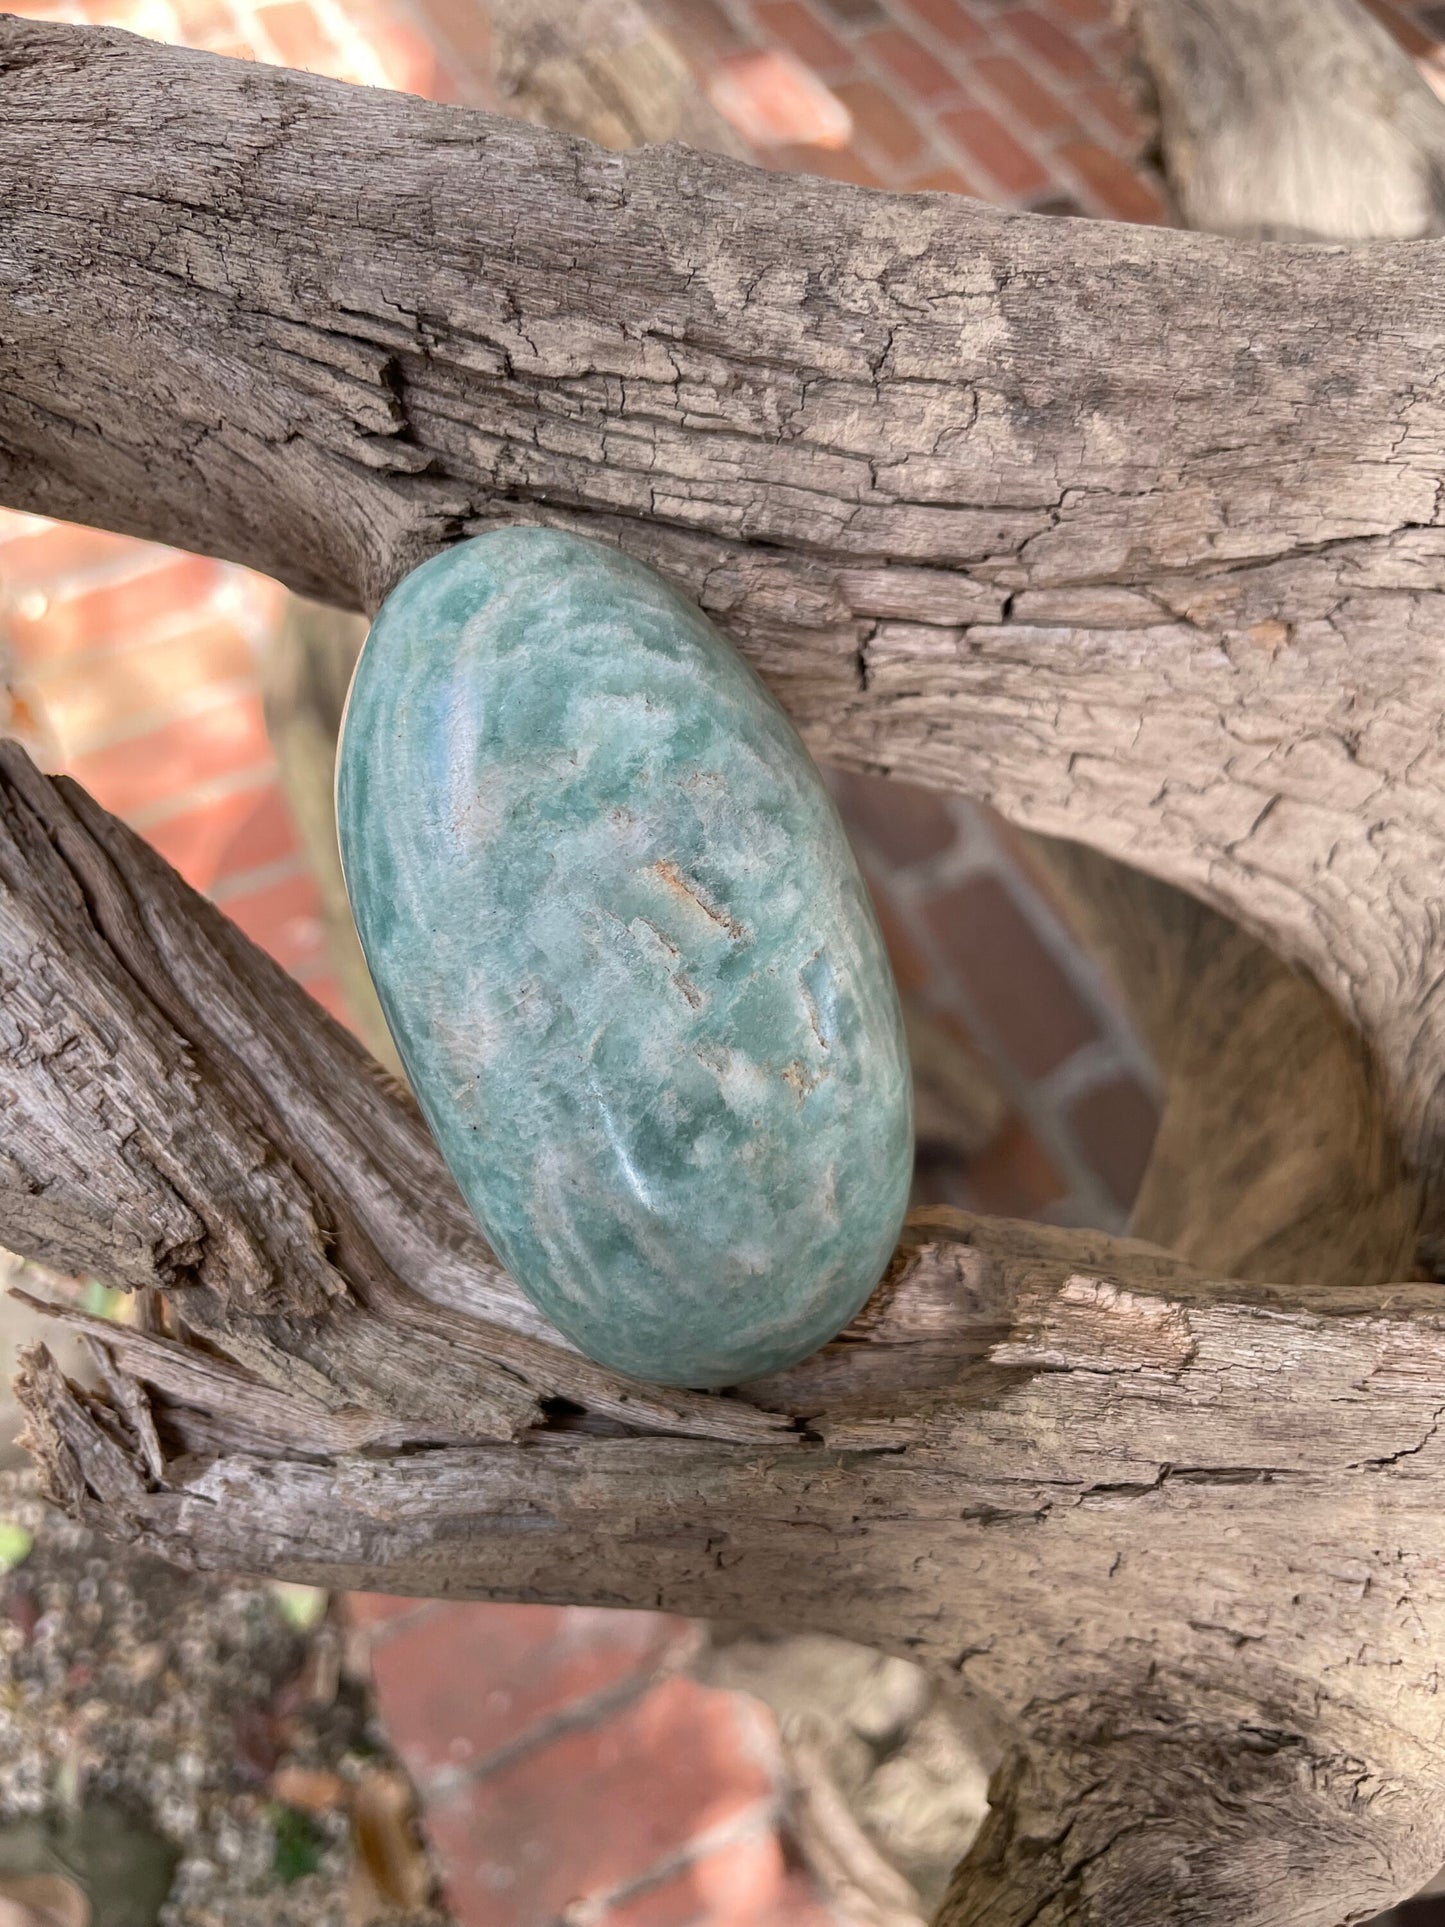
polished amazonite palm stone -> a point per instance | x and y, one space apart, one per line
627 958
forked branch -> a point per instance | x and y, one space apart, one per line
1133 534
1176 1532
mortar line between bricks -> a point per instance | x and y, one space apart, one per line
115 572
1073 957
973 88
116 644
199 796
1088 1201
758 1819
1082 1071
965 858
263 876
448 1781
199 701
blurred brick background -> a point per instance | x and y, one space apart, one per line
571 1773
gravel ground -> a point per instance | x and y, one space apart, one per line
180 1751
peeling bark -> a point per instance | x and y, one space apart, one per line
1291 120
601 69
1182 1535
1133 534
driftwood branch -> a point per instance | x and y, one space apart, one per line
602 69
1133 534
1292 120
1177 1532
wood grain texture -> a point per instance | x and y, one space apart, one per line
1181 1535
1291 120
602 69
1134 534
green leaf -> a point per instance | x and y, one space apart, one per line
101 1301
299 1844
16 1542
301 1606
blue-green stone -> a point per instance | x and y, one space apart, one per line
627 958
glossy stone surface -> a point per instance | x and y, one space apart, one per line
627 958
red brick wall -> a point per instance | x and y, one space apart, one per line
569 1773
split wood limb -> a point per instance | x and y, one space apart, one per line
1291 120
1183 1534
1133 534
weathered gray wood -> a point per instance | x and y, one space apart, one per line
1276 1156
1291 119
1132 533
602 69
1183 1535
1135 535
176 1122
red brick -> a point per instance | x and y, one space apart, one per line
1083 13
1014 1177
903 823
706 29
985 139
745 1884
1115 1125
227 836
1022 93
1408 32
90 703
1115 185
942 180
600 1809
1021 993
883 124
110 13
909 968
284 919
461 33
332 998
42 558
145 770
773 100
1110 106
266 836
471 1679
950 21
409 59
202 22
912 63
464 24
800 29
833 163
70 625
1050 44
381 1612
297 34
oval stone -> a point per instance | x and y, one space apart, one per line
627 957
